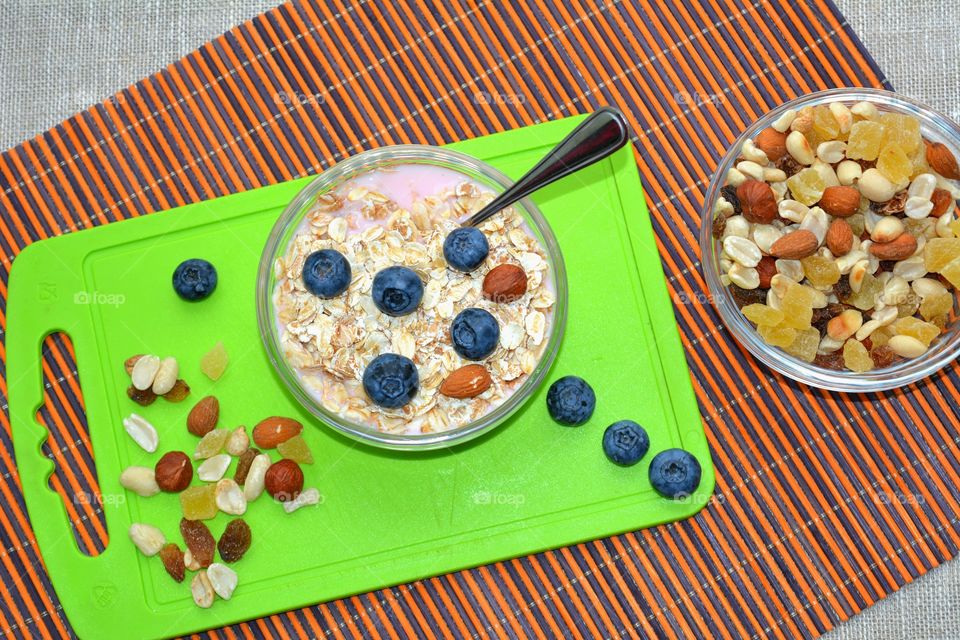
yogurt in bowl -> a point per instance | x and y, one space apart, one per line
395 207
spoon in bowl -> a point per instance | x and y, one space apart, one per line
594 139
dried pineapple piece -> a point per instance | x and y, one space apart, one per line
938 252
825 125
778 336
797 307
856 357
936 305
952 272
864 141
901 129
214 362
199 503
805 345
870 290
820 270
894 163
922 331
806 186
761 314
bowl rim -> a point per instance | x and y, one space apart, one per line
278 241
946 347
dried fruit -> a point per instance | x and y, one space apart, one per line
271 431
309 497
840 201
296 449
172 558
140 480
229 497
142 432
938 252
147 537
936 305
894 163
772 142
883 356
214 362
179 392
864 140
203 418
766 269
238 442
758 202
805 344
466 382
202 590
199 503
795 245
283 480
254 482
797 307
130 362
166 376
761 314
856 357
243 465
173 472
211 444
942 160
199 541
899 249
821 271
778 336
143 397
235 541
212 469
223 579
505 283
807 186
925 332
901 129
839 238
144 371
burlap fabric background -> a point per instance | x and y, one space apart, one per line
59 57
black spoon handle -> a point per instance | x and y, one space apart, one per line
597 137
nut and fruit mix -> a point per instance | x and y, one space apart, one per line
839 235
394 316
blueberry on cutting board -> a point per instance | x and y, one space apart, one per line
194 279
675 473
571 401
625 443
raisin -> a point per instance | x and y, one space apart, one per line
822 316
729 194
866 164
199 541
144 397
235 541
172 559
887 265
788 165
743 297
883 356
180 391
719 225
243 465
892 206
832 361
842 289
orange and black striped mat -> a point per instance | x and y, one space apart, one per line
825 502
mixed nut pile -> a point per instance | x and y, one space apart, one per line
174 472
839 235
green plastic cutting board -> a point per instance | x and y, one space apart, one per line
386 517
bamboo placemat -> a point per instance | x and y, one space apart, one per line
825 503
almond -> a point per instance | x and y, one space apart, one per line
505 283
795 245
771 142
839 238
899 249
757 201
942 202
840 201
273 430
466 382
767 268
204 416
942 160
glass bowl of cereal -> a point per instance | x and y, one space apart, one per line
390 328
830 244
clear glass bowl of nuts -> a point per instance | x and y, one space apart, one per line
830 242
394 324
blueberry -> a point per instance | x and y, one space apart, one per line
475 333
397 291
675 473
391 380
326 273
571 401
465 248
625 442
194 279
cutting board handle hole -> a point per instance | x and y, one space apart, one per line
68 447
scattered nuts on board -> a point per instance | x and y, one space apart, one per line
256 477
283 480
310 496
203 418
202 590
212 469
862 231
147 537
243 465
142 432
238 441
229 497
174 472
223 579
144 371
270 432
140 480
166 376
